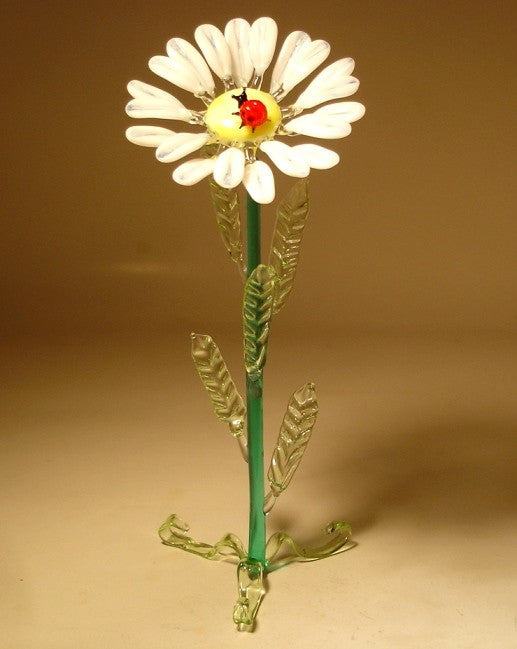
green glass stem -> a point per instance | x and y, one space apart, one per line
257 523
252 235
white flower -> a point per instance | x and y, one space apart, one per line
243 121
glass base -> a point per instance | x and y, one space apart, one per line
281 550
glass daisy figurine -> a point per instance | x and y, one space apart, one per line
242 130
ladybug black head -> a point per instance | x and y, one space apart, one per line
241 98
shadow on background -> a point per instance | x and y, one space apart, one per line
453 474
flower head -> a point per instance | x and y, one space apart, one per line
241 123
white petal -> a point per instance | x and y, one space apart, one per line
184 67
349 111
139 89
286 158
333 82
177 73
180 145
262 43
259 182
215 49
304 60
330 122
229 168
317 126
317 157
185 53
237 34
192 171
291 44
148 135
152 102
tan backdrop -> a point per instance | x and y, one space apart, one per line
415 229
403 314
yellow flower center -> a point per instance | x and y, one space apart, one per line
226 127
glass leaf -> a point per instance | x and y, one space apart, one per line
287 237
293 438
215 376
281 549
251 592
258 302
226 206
172 533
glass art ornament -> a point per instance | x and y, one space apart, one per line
242 129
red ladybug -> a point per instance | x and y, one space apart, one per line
252 112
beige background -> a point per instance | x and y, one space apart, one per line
403 314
